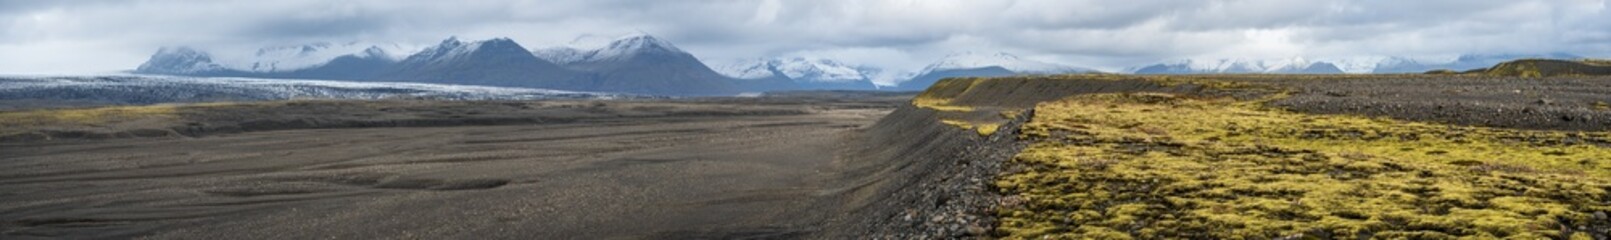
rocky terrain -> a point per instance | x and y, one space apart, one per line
1289 156
1079 156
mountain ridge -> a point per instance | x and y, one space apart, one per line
976 64
806 73
637 64
1356 65
643 64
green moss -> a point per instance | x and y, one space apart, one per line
984 129
1161 166
87 116
938 96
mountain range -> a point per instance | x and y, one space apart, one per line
637 64
804 73
19 92
975 64
1359 65
644 64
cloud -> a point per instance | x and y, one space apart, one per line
98 36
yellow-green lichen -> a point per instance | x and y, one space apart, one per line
984 129
1164 166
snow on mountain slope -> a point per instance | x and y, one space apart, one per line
1247 65
617 49
186 60
182 60
970 60
630 45
296 57
798 68
560 55
1364 64
1356 64
1240 65
448 50
748 69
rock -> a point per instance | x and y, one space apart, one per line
1012 201
976 230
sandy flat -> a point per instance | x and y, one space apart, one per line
603 178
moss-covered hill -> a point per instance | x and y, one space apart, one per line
1550 67
1190 158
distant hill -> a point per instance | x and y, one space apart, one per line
1550 67
1462 63
923 81
972 64
1279 66
1360 65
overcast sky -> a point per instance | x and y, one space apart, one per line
90 36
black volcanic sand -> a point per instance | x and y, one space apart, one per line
711 168
1555 103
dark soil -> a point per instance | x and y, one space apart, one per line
761 168
1559 103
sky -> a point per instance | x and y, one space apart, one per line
99 36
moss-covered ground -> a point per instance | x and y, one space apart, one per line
1160 166
13 122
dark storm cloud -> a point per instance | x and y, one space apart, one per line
79 36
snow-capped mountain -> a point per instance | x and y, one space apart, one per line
118 90
492 62
1361 64
641 63
973 64
1461 63
1357 65
298 57
279 59
179 60
560 55
798 68
973 60
808 73
453 49
1288 65
620 49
